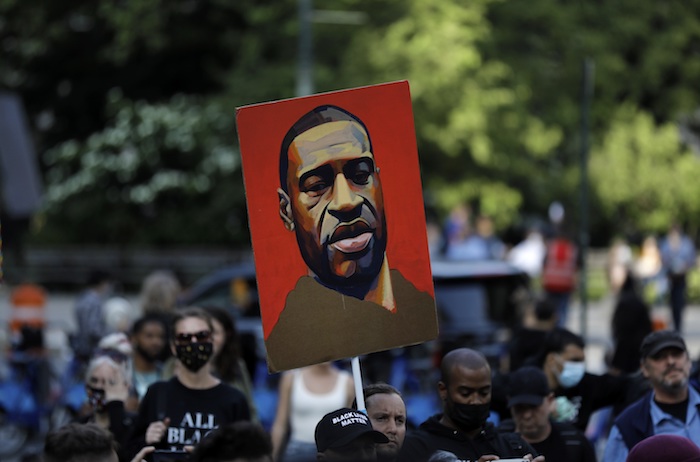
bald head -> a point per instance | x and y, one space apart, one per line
462 358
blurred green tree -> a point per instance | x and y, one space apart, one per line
158 174
495 87
648 178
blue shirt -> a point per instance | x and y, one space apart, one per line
616 450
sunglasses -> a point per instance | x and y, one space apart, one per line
115 355
185 338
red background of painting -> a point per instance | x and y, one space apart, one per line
386 111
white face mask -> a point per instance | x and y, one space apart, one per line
571 374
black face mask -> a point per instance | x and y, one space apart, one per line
468 417
194 355
96 398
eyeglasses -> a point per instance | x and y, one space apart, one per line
185 338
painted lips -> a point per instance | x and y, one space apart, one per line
353 244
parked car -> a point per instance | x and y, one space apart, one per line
477 304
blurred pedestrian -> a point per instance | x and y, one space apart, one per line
160 291
531 402
305 396
159 294
678 258
619 264
528 254
476 245
578 392
486 230
648 270
148 340
107 385
631 322
560 273
89 314
118 347
227 363
527 339
118 313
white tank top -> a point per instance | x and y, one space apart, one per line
307 408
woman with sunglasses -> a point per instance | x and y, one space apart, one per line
181 411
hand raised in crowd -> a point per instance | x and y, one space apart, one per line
156 430
116 387
536 459
141 455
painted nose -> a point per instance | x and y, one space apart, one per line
344 198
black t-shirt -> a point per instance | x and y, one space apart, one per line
565 444
677 410
192 413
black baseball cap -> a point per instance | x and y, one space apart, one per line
660 339
338 428
527 385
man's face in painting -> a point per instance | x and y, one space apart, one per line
336 203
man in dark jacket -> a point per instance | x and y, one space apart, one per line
673 406
530 401
465 390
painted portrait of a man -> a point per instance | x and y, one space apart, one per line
330 197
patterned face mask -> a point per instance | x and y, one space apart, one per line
96 398
194 355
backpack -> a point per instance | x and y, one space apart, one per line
559 270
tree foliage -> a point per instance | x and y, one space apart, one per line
152 167
477 143
132 105
648 178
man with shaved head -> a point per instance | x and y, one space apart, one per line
462 428
351 302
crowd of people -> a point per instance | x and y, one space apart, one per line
171 384
547 404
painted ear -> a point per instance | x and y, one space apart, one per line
286 210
